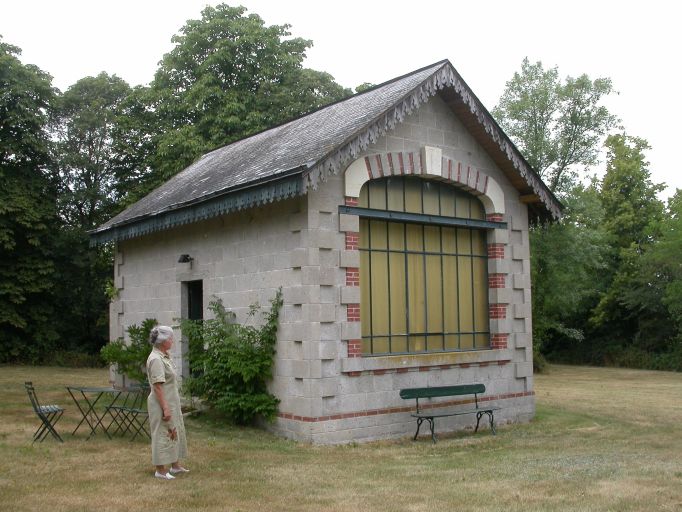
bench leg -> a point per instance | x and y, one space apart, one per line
490 419
431 424
419 424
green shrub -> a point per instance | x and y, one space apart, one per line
230 364
73 359
131 359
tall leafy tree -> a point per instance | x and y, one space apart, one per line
568 262
557 124
88 163
27 209
228 76
662 264
632 216
89 167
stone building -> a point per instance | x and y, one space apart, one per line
396 223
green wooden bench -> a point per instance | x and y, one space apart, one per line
431 413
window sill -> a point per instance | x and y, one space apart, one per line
408 362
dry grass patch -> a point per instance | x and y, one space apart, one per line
602 440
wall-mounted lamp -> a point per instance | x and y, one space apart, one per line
185 258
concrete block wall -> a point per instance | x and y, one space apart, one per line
356 398
329 393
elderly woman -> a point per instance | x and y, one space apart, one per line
169 444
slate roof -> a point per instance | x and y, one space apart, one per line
306 150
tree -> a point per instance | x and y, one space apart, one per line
87 161
27 209
228 76
557 125
89 168
568 262
630 309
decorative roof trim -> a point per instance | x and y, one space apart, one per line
290 186
444 77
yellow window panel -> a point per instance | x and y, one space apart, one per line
378 232
396 236
398 293
380 346
466 310
415 237
399 344
463 241
432 239
416 292
434 294
449 240
466 341
380 303
447 201
431 198
377 194
394 189
450 294
417 344
413 196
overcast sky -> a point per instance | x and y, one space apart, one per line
636 44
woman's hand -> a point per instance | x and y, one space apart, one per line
166 414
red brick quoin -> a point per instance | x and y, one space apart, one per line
498 311
496 280
354 348
496 251
499 341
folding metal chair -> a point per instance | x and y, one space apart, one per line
130 416
49 416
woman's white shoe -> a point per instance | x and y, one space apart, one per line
178 470
164 476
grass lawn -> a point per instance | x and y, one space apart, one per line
603 439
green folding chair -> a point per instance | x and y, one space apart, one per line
49 416
130 416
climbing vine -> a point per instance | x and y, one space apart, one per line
231 364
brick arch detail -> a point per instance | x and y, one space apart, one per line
428 163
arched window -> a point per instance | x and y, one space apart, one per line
423 268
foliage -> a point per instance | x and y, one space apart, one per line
557 125
568 260
74 359
661 271
27 211
89 171
131 358
87 160
230 364
632 214
228 76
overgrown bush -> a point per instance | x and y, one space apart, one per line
131 359
230 364
73 359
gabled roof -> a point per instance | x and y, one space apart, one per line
288 159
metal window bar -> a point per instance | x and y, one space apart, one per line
423 219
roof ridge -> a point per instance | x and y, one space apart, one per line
328 105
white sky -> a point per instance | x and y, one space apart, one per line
636 44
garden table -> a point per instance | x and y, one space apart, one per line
86 399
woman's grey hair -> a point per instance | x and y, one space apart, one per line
159 334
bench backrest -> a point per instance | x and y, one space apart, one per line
465 389
438 391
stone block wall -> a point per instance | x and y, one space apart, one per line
329 392
355 397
